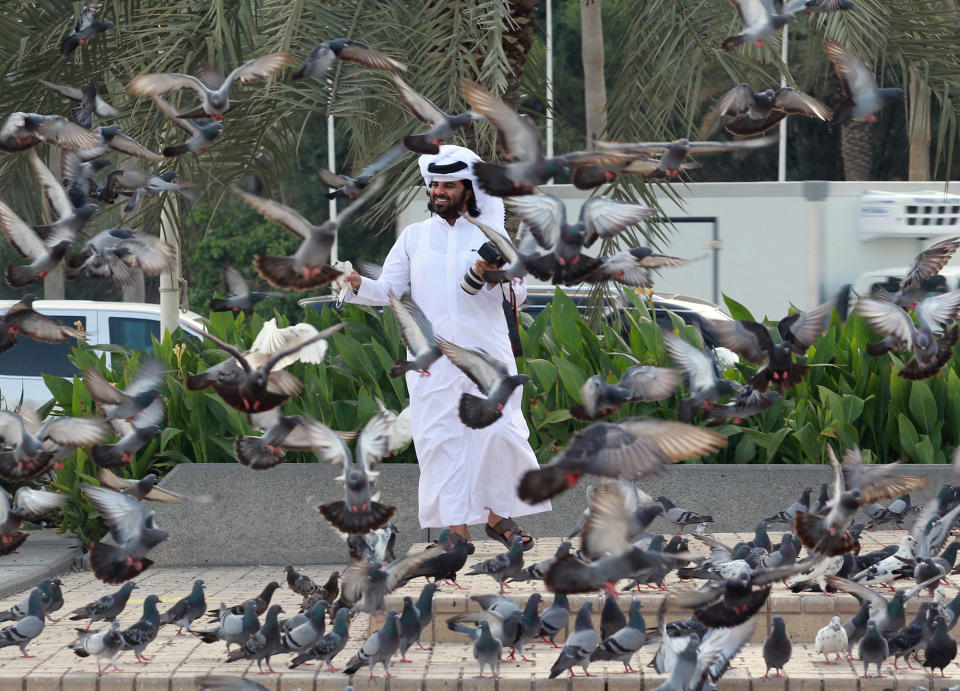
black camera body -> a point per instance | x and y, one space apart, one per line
471 282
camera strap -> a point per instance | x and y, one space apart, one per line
513 320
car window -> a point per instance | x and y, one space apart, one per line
31 358
134 333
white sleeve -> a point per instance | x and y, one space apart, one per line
394 279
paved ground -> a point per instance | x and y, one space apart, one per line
179 661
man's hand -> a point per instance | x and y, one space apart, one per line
480 267
353 278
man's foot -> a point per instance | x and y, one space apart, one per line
505 529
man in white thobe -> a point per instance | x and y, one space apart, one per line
467 476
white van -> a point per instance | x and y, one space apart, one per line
129 324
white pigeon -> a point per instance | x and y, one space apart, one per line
883 572
103 644
822 568
272 340
831 639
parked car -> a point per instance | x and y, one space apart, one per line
129 324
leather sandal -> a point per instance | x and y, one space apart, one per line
508 525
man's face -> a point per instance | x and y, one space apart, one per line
448 199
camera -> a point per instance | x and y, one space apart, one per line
471 282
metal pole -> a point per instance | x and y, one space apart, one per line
782 161
549 78
331 166
170 280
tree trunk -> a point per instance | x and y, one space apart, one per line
54 283
918 127
856 146
517 40
594 87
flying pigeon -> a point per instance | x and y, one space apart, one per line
417 334
241 297
297 432
632 448
347 187
323 55
29 445
521 140
90 102
491 376
21 131
307 268
632 267
21 318
590 177
673 155
442 125
133 531
364 585
202 132
215 103
863 97
757 112
134 435
701 375
759 23
103 644
112 137
87 27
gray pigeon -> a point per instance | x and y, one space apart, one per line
331 645
856 626
700 375
134 435
27 628
202 132
873 649
424 606
143 633
786 516
612 618
323 55
46 588
262 645
487 650
365 585
554 619
940 650
241 297
777 648
503 566
103 644
187 609
864 97
417 334
684 667
759 23
380 647
106 608
442 125
233 628
622 644
309 632
681 517
409 627
529 627
579 646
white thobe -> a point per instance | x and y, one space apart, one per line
464 472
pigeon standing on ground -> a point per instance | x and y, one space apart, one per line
503 566
831 639
27 628
187 609
554 619
308 633
612 618
856 627
940 650
379 648
106 608
233 627
873 649
409 628
142 634
262 645
103 644
777 648
579 646
681 517
622 644
786 516
330 645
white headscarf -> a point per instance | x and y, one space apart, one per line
491 208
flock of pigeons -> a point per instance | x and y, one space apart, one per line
615 544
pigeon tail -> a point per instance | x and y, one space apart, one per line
110 567
20 276
476 412
220 305
879 348
356 523
542 267
11 543
171 151
254 454
421 144
493 179
539 485
400 368
731 42
279 272
106 456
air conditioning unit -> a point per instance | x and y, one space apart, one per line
920 214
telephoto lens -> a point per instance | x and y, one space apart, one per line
471 282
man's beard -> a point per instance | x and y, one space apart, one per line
452 212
